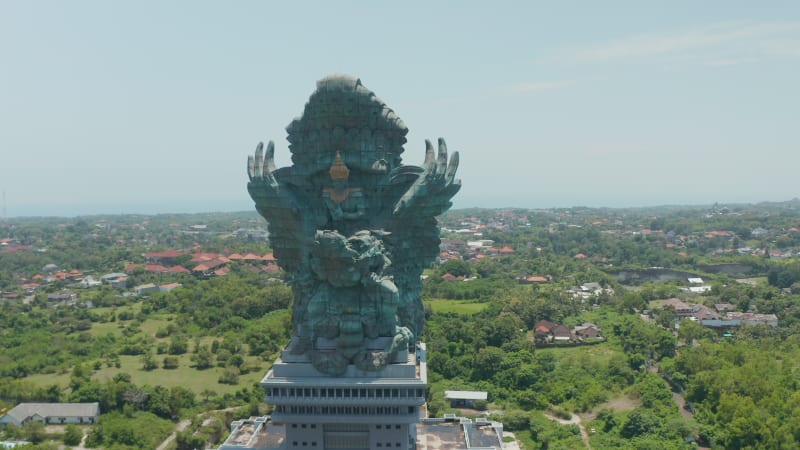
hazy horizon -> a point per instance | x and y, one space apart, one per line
156 209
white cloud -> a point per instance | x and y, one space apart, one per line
728 42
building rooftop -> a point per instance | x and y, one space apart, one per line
465 395
255 433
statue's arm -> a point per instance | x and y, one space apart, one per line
431 192
264 187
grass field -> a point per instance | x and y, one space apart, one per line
184 375
466 307
600 353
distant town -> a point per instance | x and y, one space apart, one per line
570 328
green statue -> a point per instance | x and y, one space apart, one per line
352 225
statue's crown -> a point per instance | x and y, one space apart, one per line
339 170
343 114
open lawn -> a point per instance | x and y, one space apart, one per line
184 375
599 353
102 329
148 327
46 379
466 307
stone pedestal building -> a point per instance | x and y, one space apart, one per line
359 410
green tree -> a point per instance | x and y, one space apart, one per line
203 358
207 394
148 361
34 431
170 362
640 421
72 435
456 267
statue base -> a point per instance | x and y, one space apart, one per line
358 410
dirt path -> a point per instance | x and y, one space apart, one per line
574 420
185 423
681 402
180 427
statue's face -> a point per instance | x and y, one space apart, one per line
334 261
340 272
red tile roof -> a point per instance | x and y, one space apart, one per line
201 257
271 268
537 279
208 265
165 254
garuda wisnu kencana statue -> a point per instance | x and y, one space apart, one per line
352 225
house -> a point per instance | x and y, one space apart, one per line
90 282
681 309
271 268
699 289
589 290
156 268
464 399
168 287
561 333
753 318
450 277
533 279
52 413
543 331
588 331
178 269
116 280
30 288
145 288
544 326
733 319
209 267
168 256
723 307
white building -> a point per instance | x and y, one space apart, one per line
52 413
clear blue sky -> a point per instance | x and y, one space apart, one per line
150 106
